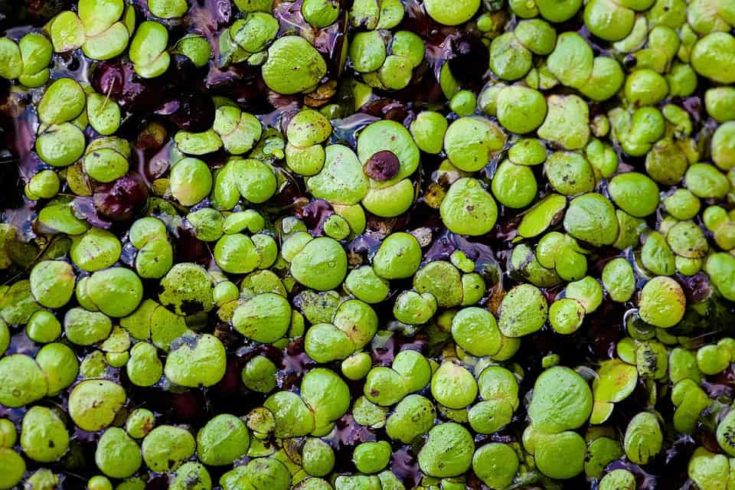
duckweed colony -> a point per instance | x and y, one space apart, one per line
375 244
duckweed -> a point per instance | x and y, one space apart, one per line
373 244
